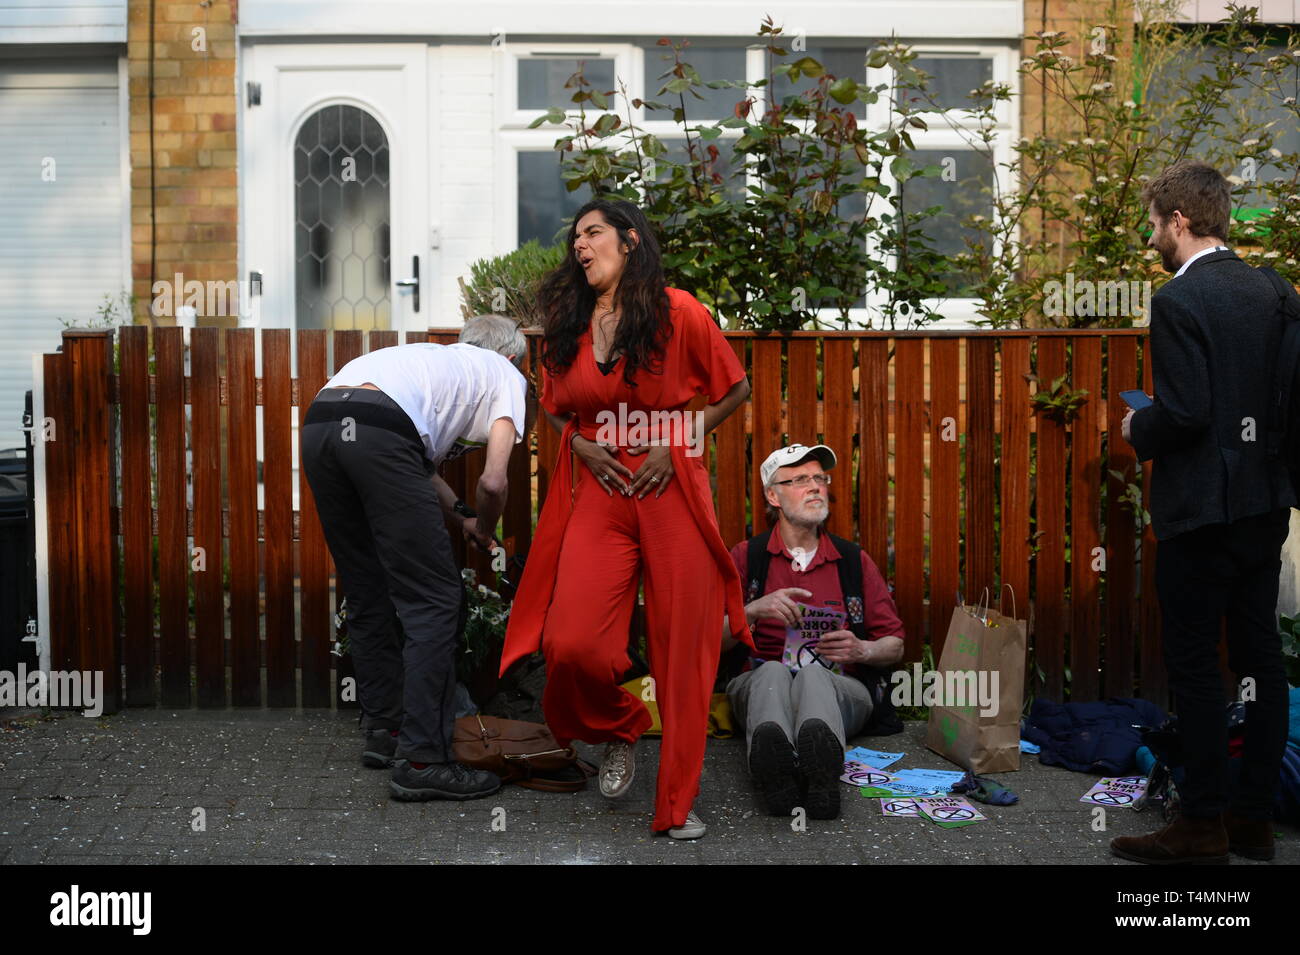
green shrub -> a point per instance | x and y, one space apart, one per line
507 284
1290 629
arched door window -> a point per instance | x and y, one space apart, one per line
341 221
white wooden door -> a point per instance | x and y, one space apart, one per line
335 184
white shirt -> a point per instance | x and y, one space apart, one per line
452 393
1213 248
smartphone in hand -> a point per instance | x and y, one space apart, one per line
1136 399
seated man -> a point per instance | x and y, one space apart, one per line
797 721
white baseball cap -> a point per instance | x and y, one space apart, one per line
792 455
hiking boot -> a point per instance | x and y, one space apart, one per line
617 769
773 769
692 828
440 781
821 762
380 748
1249 838
1185 841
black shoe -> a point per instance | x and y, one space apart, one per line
441 781
821 761
380 748
772 766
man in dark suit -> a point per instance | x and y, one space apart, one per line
1219 508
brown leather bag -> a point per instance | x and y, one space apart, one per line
525 754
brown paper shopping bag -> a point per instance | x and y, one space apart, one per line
981 642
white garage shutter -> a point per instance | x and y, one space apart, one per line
62 232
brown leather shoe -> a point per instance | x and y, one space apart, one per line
1185 841
1249 838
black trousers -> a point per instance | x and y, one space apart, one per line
1203 576
386 532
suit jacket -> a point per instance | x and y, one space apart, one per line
1215 332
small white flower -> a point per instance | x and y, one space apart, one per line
1087 218
1118 230
1236 180
1026 62
1103 260
1290 261
1149 253
1079 197
977 218
1289 101
1251 142
1071 142
1111 57
1088 141
1275 153
1102 177
1066 61
1271 255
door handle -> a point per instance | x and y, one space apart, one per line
413 283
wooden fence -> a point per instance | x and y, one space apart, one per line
184 591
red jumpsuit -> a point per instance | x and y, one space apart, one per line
579 586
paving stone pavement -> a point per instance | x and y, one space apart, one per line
288 787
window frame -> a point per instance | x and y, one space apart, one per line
513 136
959 312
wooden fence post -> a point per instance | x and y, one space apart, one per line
82 632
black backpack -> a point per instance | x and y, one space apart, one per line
883 720
1284 410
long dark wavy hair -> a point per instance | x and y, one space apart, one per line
641 298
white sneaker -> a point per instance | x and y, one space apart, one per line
617 769
692 828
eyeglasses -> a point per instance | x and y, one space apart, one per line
803 480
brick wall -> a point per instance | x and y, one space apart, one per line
194 186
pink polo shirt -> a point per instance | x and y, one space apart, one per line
822 577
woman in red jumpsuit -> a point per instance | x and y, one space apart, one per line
619 342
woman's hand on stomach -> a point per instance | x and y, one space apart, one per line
607 470
655 473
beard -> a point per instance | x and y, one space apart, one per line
809 515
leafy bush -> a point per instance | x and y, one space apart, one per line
485 629
803 220
508 284
808 235
1078 207
1290 628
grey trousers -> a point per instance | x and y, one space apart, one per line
385 530
774 693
